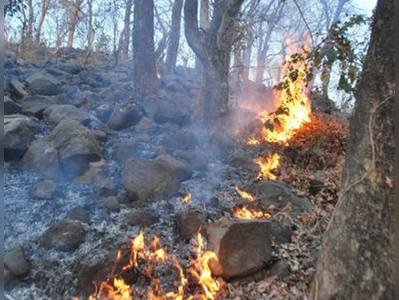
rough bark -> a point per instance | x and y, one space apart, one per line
73 21
125 36
144 70
357 260
173 48
91 33
213 48
45 5
31 20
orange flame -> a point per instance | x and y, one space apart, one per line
187 198
252 141
266 165
245 195
245 213
294 104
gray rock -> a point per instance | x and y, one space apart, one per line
65 235
162 111
150 180
8 278
110 203
79 214
147 126
10 107
35 105
140 217
242 247
17 89
127 149
180 167
123 118
57 113
69 67
180 140
279 195
19 132
280 269
16 262
44 190
105 187
190 222
40 84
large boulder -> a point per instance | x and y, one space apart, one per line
56 113
10 107
43 190
278 195
65 154
16 262
40 84
35 105
19 132
181 167
17 89
69 67
123 118
163 111
180 140
150 180
190 222
242 247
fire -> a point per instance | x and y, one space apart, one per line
267 165
148 256
294 107
249 214
245 195
186 199
253 141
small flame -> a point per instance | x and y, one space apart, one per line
267 165
245 195
159 75
245 213
186 199
253 141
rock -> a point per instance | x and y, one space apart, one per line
242 247
241 160
180 167
110 203
221 144
16 262
10 107
277 194
8 278
96 170
127 149
180 140
40 84
123 118
315 186
147 126
36 105
19 132
57 113
141 217
76 146
17 89
44 190
281 234
162 111
69 67
150 180
105 186
65 235
198 160
79 214
280 269
104 112
190 222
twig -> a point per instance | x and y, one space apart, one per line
306 22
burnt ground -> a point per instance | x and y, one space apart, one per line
311 167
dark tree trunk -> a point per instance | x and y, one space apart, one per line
357 260
125 36
173 48
45 4
73 20
213 48
145 81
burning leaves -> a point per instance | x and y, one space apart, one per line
244 195
267 165
187 198
143 257
246 213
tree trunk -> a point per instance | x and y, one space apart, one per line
357 260
91 34
171 56
44 8
213 48
145 81
73 20
31 20
125 36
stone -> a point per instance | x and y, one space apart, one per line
163 111
17 89
180 167
280 269
150 180
105 186
241 160
40 84
104 112
69 67
43 190
16 262
190 222
198 160
278 195
126 149
140 217
243 247
96 171
110 203
19 132
180 140
65 235
281 234
36 105
79 214
10 107
57 113
123 118
8 278
221 144
315 186
147 126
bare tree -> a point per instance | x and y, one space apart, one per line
124 41
73 8
144 69
213 48
174 39
44 7
357 260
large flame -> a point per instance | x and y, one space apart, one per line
293 103
267 165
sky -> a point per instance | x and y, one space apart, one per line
367 5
